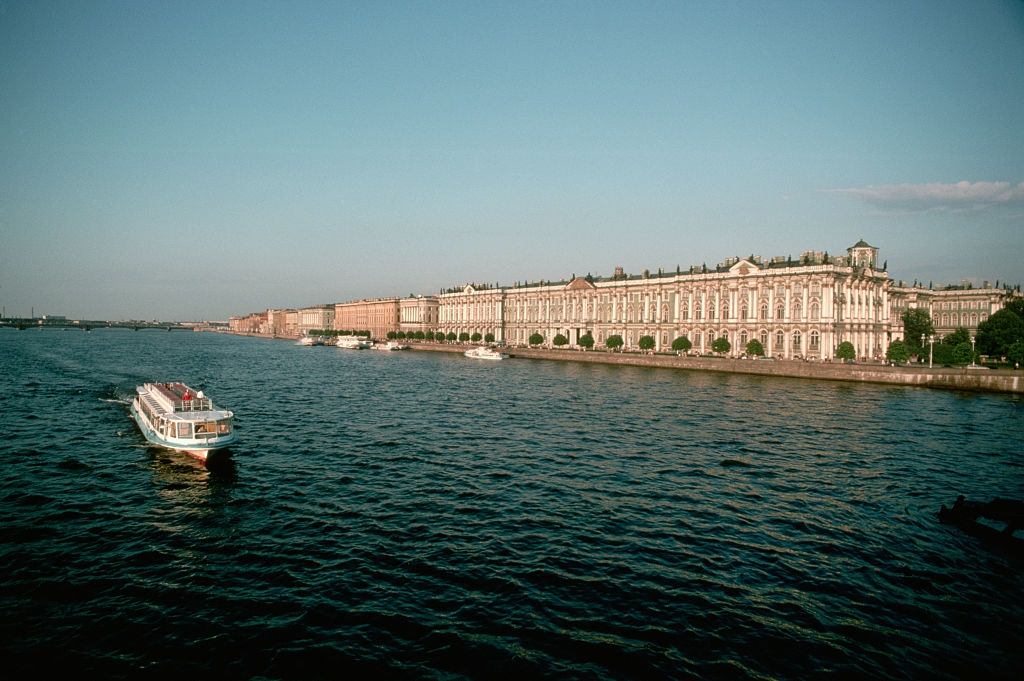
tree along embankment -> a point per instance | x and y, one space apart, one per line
960 378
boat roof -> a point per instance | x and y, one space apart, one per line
168 400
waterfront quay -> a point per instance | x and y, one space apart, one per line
966 378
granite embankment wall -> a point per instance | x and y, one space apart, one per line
986 380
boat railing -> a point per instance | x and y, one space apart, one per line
194 404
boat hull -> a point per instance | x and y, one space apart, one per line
200 449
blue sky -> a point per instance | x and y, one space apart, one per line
182 160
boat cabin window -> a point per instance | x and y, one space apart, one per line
184 430
223 427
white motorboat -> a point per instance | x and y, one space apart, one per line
175 416
485 353
353 342
390 345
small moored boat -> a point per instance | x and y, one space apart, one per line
175 416
484 353
353 342
390 345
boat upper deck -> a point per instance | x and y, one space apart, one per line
168 398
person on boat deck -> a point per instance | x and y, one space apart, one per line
186 397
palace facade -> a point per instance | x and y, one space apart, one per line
795 308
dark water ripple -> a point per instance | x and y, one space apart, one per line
412 515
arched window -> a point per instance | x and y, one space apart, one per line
815 311
795 312
764 311
796 341
743 339
744 312
664 313
697 313
780 312
725 310
815 340
780 340
711 337
685 312
711 311
764 339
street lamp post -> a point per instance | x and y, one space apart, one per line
931 348
972 350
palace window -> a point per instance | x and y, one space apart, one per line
711 311
815 340
796 340
764 311
780 340
780 312
814 312
743 339
794 314
725 310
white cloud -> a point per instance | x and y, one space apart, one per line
939 196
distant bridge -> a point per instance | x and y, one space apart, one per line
90 324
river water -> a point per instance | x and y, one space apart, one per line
424 515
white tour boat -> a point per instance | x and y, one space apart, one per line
353 342
175 416
310 340
484 353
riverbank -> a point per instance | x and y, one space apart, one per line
979 379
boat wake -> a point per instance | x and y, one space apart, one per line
114 394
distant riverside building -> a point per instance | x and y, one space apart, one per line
950 308
291 323
418 313
250 323
316 317
277 322
378 316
